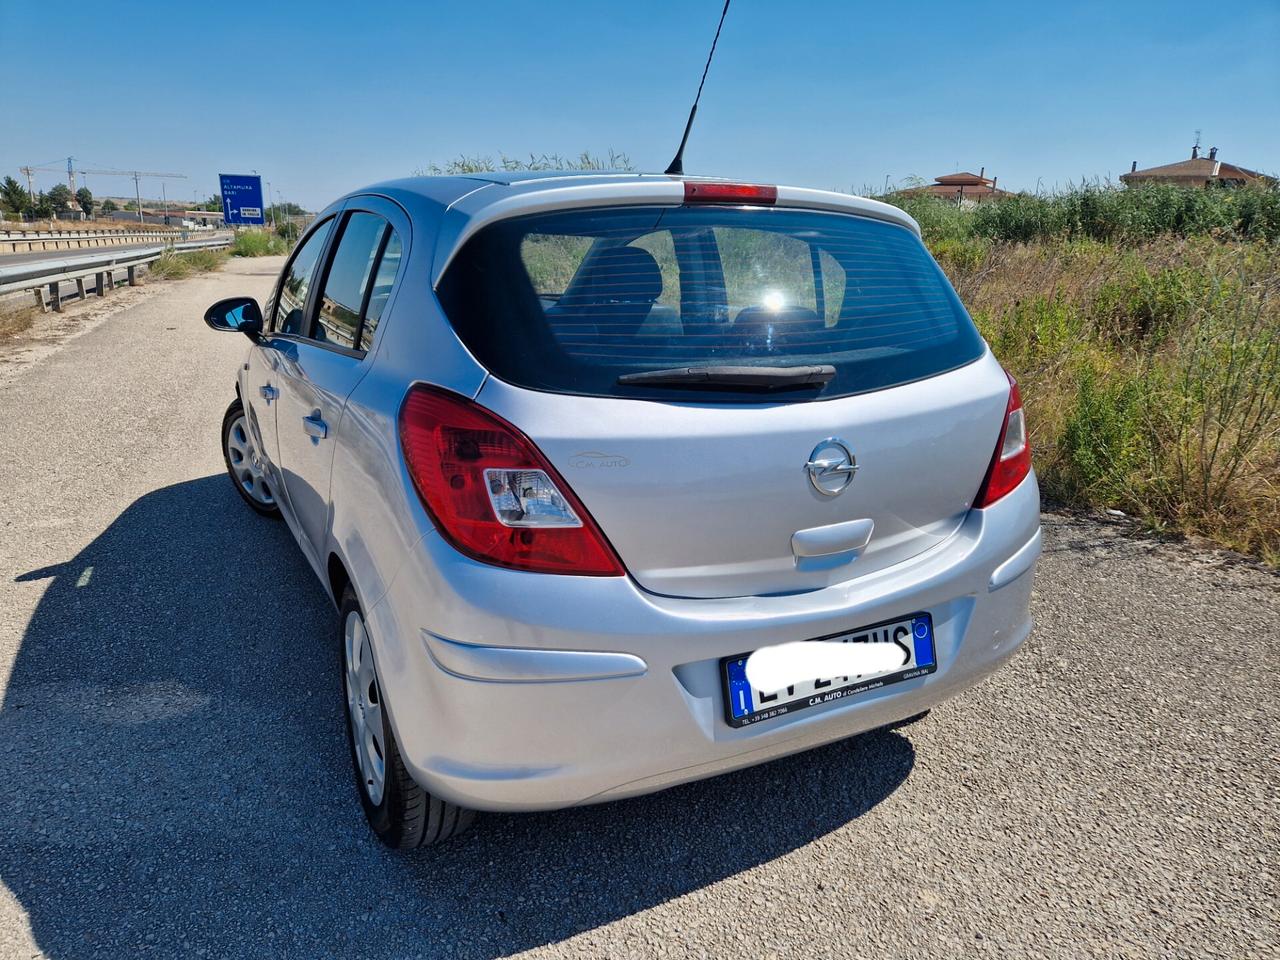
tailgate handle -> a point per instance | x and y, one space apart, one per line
835 538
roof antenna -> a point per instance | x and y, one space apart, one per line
677 163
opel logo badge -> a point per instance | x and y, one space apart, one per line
831 467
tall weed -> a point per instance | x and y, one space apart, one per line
1151 375
258 243
1102 212
173 265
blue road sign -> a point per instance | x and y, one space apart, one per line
241 198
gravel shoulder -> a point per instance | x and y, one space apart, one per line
176 779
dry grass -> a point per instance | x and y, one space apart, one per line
175 266
16 321
1151 374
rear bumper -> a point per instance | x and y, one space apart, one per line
517 691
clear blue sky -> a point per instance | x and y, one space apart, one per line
323 97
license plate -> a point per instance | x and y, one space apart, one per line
744 705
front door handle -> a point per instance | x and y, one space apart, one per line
315 427
268 392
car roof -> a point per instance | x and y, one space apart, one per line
526 190
454 208
509 177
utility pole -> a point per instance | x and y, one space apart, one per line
71 175
137 176
164 203
31 186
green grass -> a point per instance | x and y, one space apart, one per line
174 266
258 243
1102 212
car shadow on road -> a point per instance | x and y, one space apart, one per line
177 781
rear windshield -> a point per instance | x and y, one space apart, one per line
571 301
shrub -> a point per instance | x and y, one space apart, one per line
960 256
1151 375
173 265
257 243
1218 405
1103 443
1103 212
939 219
1141 304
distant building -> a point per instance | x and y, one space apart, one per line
171 218
1198 171
205 218
963 188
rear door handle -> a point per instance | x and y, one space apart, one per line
315 427
268 392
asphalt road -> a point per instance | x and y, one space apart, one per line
175 780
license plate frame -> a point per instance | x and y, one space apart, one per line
732 672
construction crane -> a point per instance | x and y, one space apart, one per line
137 175
32 168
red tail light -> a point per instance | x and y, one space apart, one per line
1012 460
698 192
491 492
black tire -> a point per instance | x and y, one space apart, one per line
234 413
405 816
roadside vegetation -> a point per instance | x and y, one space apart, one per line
259 243
16 320
1144 329
173 265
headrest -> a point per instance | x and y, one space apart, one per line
617 275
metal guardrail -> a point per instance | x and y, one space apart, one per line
51 273
77 234
26 241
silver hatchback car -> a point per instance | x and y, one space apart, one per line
565 450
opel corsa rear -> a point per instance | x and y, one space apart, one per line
566 450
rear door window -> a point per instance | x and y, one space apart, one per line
348 280
573 300
383 280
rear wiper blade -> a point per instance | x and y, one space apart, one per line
747 378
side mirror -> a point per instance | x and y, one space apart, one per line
236 315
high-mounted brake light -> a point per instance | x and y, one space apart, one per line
702 192
491 492
1012 460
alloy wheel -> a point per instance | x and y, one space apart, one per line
364 707
247 465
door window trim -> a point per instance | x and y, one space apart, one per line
331 256
401 224
387 231
312 307
380 206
